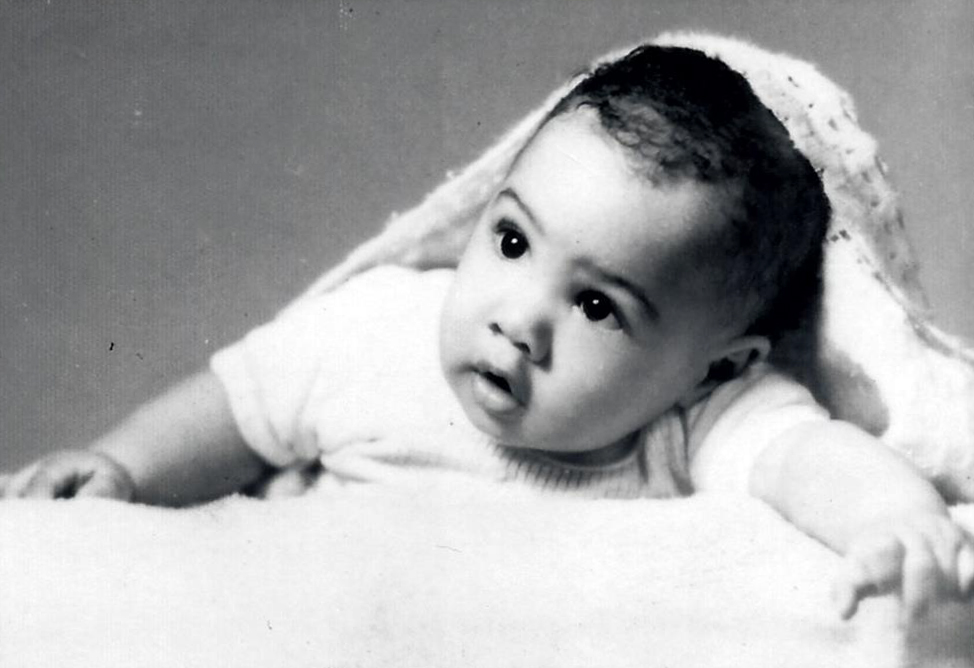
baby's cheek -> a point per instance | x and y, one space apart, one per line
450 339
587 394
644 388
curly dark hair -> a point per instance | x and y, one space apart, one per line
681 114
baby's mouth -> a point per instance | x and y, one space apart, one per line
497 393
498 381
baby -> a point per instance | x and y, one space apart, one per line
605 334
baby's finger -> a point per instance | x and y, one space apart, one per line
921 577
18 482
944 540
108 484
871 567
45 484
965 569
954 550
851 585
56 477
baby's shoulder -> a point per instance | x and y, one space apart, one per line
761 390
762 382
387 300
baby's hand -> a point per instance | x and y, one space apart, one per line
71 473
926 558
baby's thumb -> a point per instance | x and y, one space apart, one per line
111 481
47 484
965 570
849 587
14 484
870 569
106 487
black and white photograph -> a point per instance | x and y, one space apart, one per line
380 333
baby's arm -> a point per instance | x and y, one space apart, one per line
847 489
179 448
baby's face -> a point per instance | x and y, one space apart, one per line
574 320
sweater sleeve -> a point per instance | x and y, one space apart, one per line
730 429
273 373
268 374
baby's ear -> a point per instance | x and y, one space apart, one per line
734 359
729 363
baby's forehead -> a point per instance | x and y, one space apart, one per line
701 243
643 169
699 260
579 182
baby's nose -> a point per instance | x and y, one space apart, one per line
527 328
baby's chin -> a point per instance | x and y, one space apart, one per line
557 445
525 429
517 434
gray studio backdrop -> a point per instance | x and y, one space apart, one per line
171 172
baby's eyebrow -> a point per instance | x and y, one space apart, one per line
628 286
510 193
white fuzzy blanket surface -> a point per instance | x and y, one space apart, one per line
446 575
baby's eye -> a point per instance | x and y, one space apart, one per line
510 240
597 307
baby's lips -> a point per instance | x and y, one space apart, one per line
510 374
